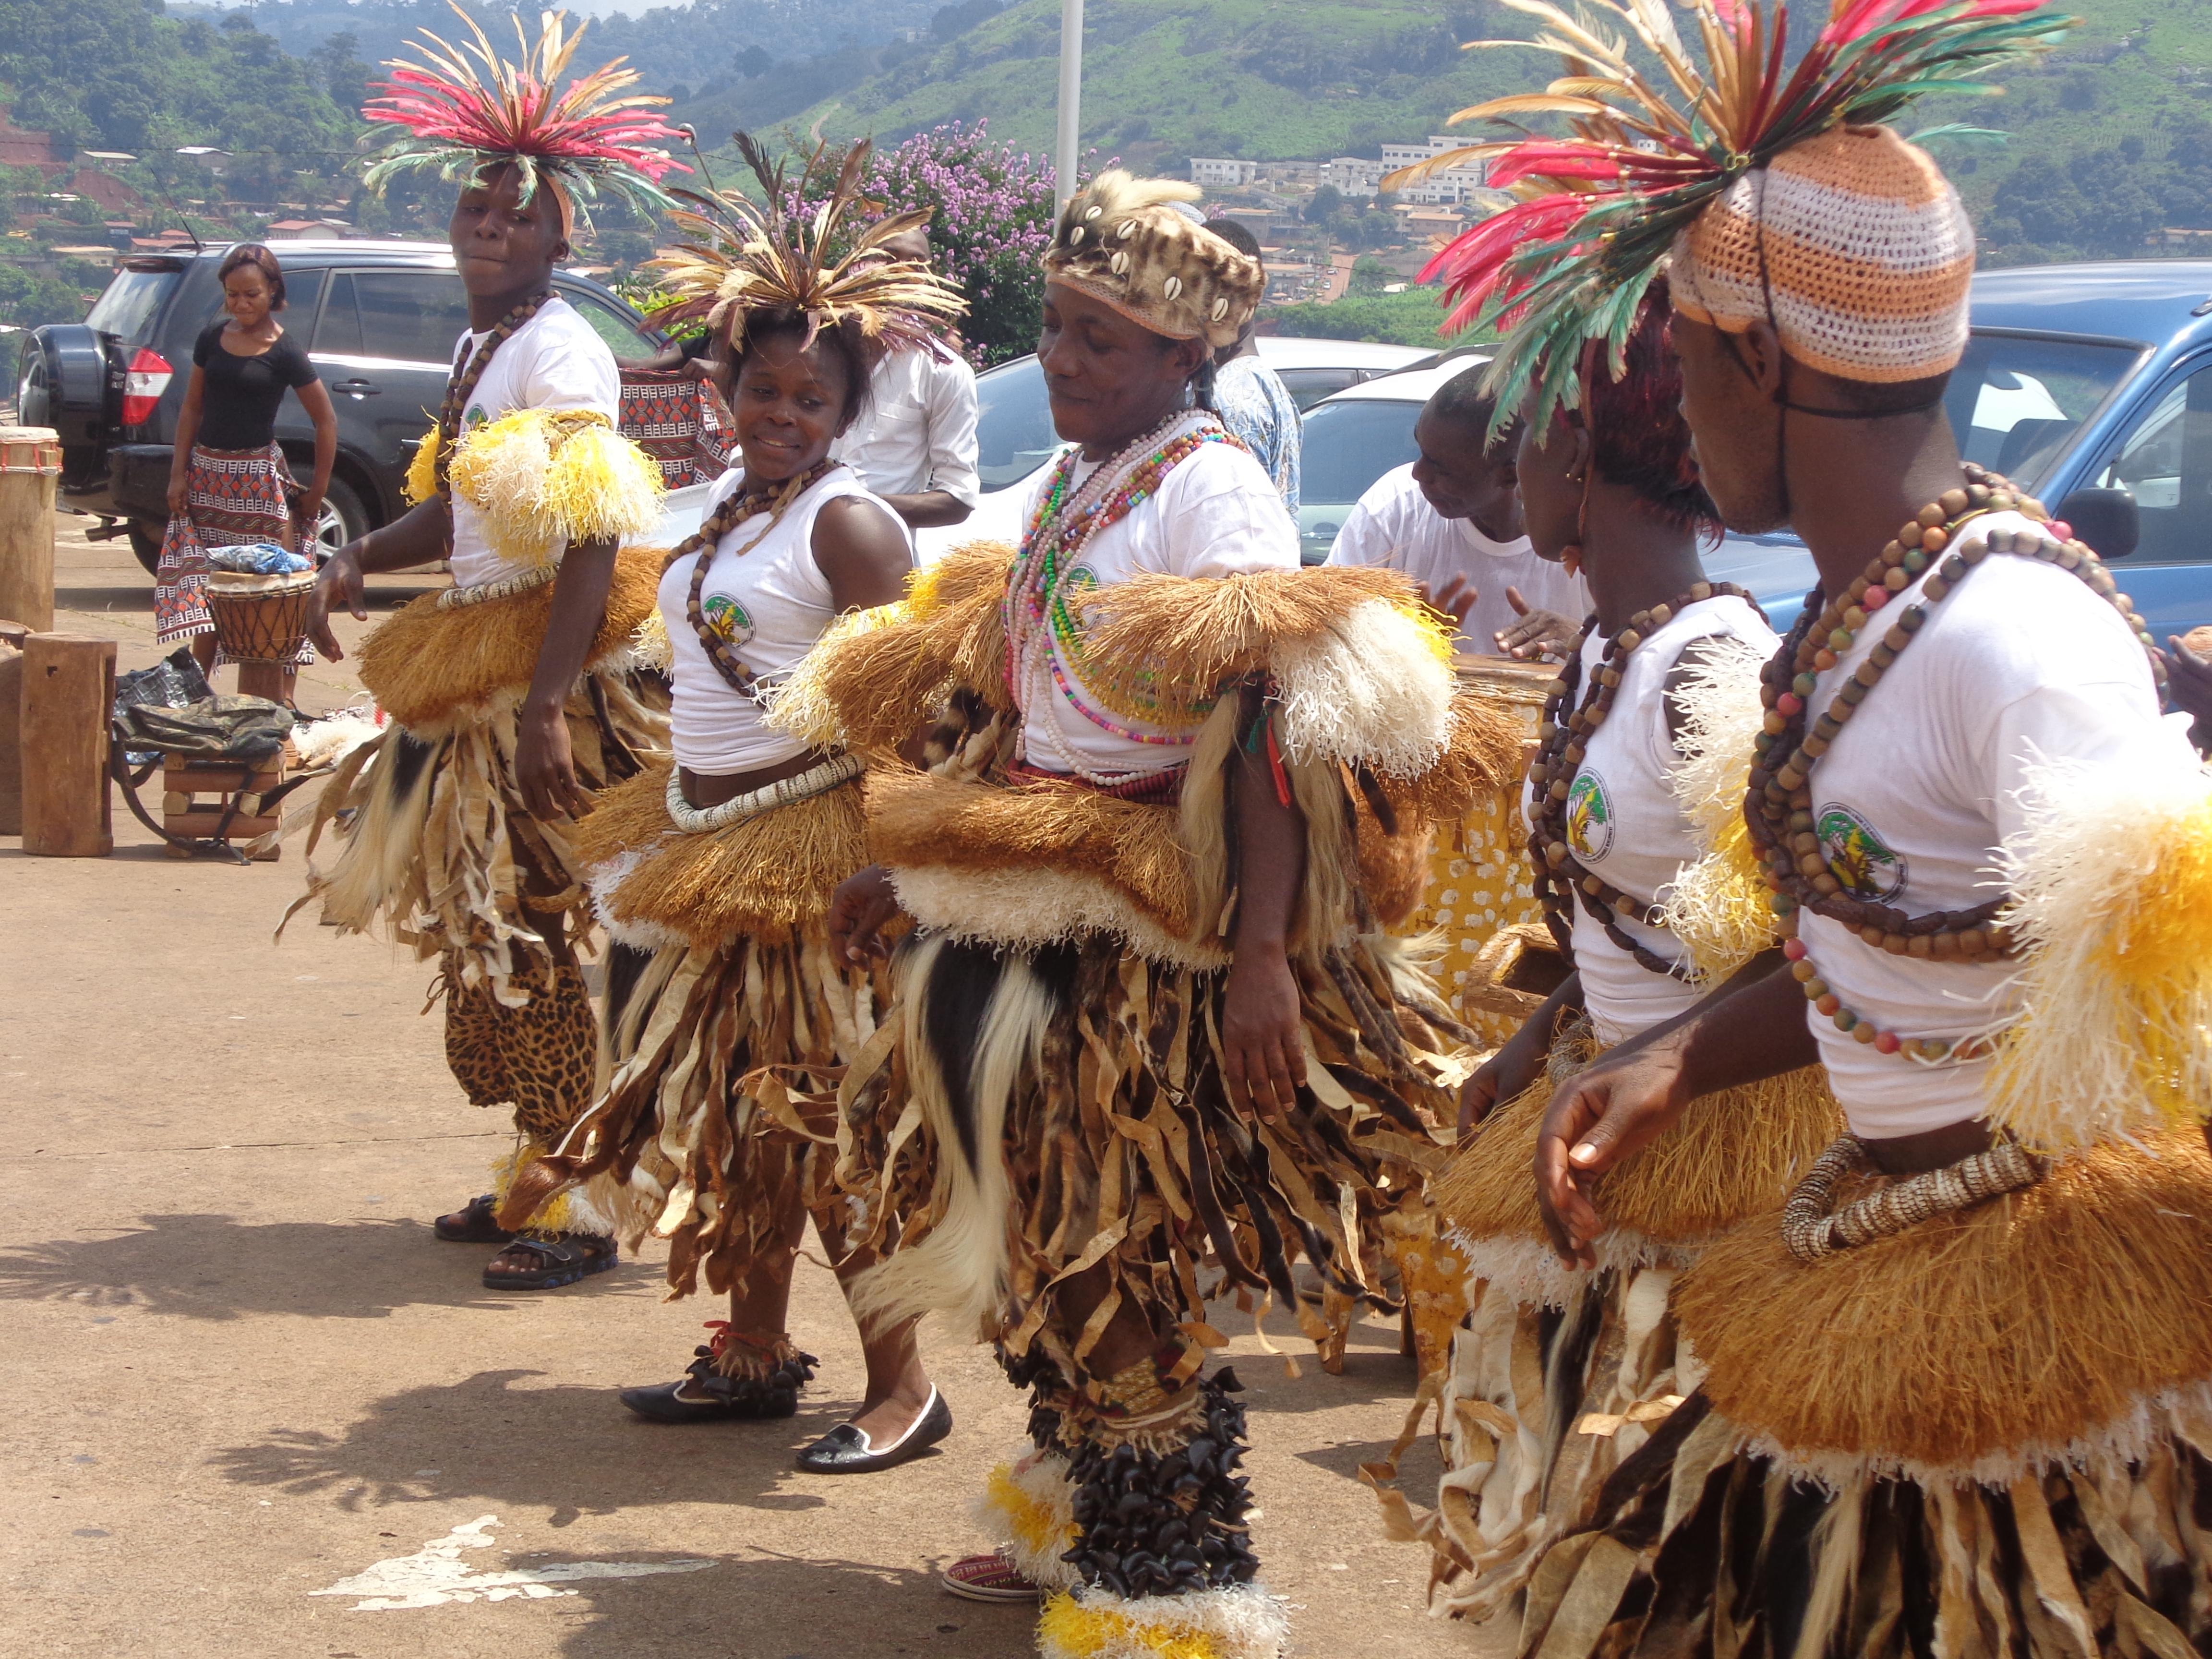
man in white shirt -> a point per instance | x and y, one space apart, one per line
914 444
1451 521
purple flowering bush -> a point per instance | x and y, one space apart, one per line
991 223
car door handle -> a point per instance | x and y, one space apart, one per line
356 387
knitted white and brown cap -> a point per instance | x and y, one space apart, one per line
1122 240
1853 242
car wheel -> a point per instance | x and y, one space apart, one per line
343 520
146 543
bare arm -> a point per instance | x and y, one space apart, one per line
930 508
862 555
315 398
419 536
1752 1027
1263 1055
188 431
544 770
1520 1061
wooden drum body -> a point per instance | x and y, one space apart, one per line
260 619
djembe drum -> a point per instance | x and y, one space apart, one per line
260 623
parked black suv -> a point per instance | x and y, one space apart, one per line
378 318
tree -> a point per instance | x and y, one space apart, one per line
1326 203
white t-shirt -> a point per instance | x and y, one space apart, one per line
2019 665
1627 826
552 361
766 596
1216 514
918 431
1394 526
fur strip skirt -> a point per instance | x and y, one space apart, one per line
437 847
1984 1435
723 1053
1033 1112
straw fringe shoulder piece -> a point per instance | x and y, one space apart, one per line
721 1054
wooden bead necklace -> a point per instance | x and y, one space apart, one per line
1561 742
468 371
738 508
1778 810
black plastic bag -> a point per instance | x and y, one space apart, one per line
175 681
247 729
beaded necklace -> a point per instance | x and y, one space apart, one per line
1780 808
1037 615
463 382
1562 740
738 507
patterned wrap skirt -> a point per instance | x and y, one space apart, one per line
232 497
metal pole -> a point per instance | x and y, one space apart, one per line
1071 100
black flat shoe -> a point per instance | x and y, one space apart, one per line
702 1395
846 1450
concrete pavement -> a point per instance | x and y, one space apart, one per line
257 1410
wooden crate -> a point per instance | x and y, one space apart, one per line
195 794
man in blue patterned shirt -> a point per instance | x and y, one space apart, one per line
1250 397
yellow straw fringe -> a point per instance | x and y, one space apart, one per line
1717 908
543 478
1035 1526
2111 890
2027 1322
422 481
1736 1153
427 662
765 875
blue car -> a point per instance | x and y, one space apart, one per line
2090 386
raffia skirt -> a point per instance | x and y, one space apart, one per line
1559 1373
740 1023
235 496
1989 1434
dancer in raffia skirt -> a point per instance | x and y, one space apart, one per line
513 696
725 1005
1147 1016
1955 1394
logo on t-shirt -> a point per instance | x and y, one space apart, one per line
476 417
1590 817
1856 855
727 619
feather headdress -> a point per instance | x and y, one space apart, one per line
751 257
1571 259
460 119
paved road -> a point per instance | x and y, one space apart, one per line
243 1374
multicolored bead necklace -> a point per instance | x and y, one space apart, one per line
1562 739
738 507
1779 809
1040 622
463 383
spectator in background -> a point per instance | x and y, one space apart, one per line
1250 397
230 484
1451 521
914 443
2189 682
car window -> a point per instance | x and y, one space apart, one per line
1014 423
1348 446
2165 463
126 306
412 316
2016 404
623 337
1308 386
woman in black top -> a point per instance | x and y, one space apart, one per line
229 482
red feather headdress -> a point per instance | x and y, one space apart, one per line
1571 260
582 141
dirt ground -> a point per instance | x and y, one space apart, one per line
257 1410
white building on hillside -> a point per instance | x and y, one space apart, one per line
1351 175
1446 189
1223 174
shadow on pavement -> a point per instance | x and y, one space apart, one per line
567 1449
769 1606
215 1267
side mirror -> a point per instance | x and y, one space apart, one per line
2105 519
